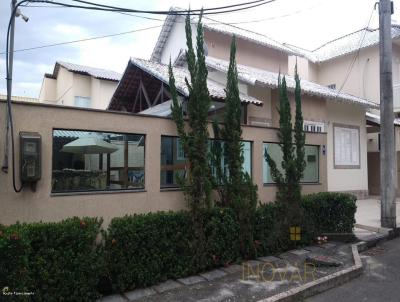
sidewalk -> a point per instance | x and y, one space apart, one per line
369 212
251 281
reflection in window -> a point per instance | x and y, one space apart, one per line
173 160
94 161
311 172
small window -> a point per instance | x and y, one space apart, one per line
311 126
83 102
97 161
346 140
311 172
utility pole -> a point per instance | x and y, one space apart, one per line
388 152
10 51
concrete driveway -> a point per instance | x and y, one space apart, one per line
369 211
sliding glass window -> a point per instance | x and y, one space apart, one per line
97 161
311 172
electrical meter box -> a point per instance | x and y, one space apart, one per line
30 156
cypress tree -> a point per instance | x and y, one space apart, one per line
197 185
238 191
293 153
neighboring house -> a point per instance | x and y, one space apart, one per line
78 85
341 114
351 64
144 89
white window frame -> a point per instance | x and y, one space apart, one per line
311 126
346 146
85 99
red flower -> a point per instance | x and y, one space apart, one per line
14 236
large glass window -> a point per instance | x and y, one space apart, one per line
311 172
97 161
173 160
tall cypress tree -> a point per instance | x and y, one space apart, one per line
232 133
238 191
197 185
293 153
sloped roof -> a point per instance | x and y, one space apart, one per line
253 76
351 43
215 26
161 72
98 73
377 119
344 45
224 28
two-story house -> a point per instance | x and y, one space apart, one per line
78 85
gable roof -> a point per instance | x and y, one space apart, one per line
253 76
159 71
216 26
344 45
97 73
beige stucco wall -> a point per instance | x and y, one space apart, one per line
64 87
247 53
48 91
305 68
313 108
42 205
346 179
68 85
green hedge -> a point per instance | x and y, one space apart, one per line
329 212
323 213
145 249
56 261
62 261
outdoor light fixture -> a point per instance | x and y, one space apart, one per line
323 149
18 13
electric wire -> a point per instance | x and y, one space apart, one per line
350 68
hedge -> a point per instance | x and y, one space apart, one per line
56 261
148 248
64 262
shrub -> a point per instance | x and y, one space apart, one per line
222 237
329 212
148 248
57 261
325 212
144 249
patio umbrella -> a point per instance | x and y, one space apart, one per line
89 145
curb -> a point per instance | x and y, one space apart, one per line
324 283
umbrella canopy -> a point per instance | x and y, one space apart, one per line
89 145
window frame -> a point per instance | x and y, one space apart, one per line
87 98
176 187
317 182
340 166
88 192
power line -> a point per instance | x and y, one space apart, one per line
85 39
206 11
357 53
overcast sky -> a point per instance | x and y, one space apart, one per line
305 23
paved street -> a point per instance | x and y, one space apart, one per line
379 282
